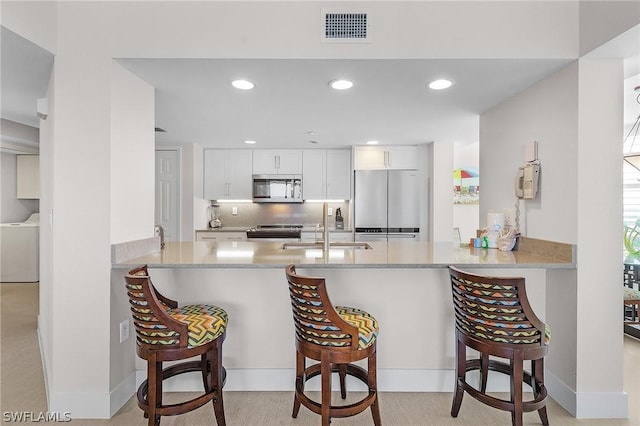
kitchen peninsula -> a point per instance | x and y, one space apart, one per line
404 284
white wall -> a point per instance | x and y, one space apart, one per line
440 173
620 16
547 112
599 207
576 115
132 156
45 317
34 20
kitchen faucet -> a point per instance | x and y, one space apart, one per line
160 233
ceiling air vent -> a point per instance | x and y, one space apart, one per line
346 26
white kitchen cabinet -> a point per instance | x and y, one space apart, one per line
326 174
277 162
227 174
221 236
403 157
28 176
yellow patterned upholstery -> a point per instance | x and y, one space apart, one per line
205 322
367 329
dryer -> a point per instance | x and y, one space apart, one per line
20 250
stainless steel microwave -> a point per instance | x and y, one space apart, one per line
277 188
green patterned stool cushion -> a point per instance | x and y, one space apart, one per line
205 322
631 294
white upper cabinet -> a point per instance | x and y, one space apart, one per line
227 174
277 162
386 157
326 174
28 176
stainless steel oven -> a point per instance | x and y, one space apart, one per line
274 232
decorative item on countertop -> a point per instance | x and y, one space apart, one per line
339 219
507 239
631 240
214 216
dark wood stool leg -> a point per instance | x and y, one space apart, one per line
300 367
461 365
154 396
516 391
325 372
216 383
342 372
537 373
372 372
484 372
206 371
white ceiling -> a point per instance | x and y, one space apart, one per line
24 76
389 102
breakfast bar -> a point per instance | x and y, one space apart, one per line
402 284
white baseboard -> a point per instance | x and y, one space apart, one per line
588 405
121 393
81 405
602 405
43 359
560 392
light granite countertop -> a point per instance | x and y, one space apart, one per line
244 228
395 254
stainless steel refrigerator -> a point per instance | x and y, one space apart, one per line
386 204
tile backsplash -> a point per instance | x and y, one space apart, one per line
249 214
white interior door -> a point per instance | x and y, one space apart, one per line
168 193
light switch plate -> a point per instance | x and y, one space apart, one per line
124 330
330 211
234 211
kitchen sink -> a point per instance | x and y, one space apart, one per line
318 245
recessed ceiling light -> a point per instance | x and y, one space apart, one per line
440 84
250 142
372 142
341 84
243 84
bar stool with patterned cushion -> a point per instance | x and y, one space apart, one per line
494 317
631 305
166 332
336 336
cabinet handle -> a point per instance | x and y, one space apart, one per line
387 159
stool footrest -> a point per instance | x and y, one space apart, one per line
181 407
336 410
540 391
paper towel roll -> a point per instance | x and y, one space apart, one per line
495 220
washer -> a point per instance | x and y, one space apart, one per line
20 250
